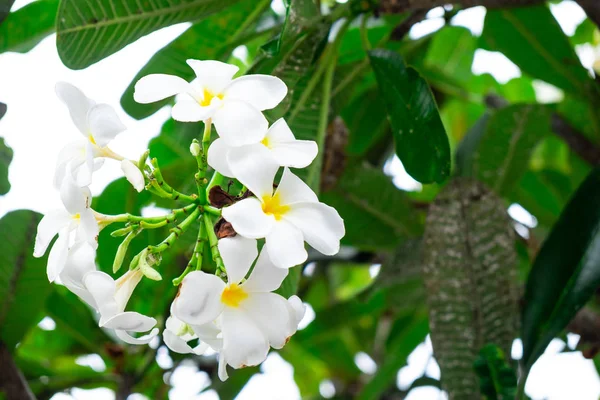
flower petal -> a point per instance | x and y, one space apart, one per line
73 155
129 321
298 307
48 227
238 254
212 75
83 174
199 300
296 154
262 91
265 276
217 157
239 123
72 196
254 167
127 338
285 245
186 110
133 174
125 285
88 229
77 103
222 368
102 288
176 343
104 123
156 87
273 315
58 255
279 131
248 219
210 334
292 189
244 344
81 260
320 224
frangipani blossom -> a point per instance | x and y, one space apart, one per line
111 297
285 218
177 334
278 140
76 217
133 175
98 123
252 318
233 105
80 261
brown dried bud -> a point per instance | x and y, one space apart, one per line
220 198
224 229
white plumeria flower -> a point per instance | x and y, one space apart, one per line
285 218
251 317
110 299
80 261
233 105
177 334
76 218
133 175
281 146
98 123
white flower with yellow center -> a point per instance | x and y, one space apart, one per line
233 105
278 140
75 223
285 218
110 298
251 317
98 123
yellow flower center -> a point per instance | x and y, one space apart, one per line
91 138
266 143
233 295
76 216
272 206
208 96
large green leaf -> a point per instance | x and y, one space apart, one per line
6 155
421 141
503 151
377 215
533 39
27 26
451 53
470 277
24 285
90 31
210 39
566 271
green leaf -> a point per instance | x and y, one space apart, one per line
470 278
497 380
377 214
26 27
90 31
533 39
421 141
6 155
451 53
366 120
24 285
503 152
210 39
289 286
584 33
566 271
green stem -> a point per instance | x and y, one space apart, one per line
195 263
214 245
175 232
106 220
364 37
159 183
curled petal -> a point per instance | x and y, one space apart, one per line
133 175
58 255
222 368
265 276
254 167
102 288
248 218
321 225
244 344
292 189
48 227
104 124
238 254
127 338
129 321
81 260
239 123
261 91
199 300
217 157
285 245
156 87
77 103
212 75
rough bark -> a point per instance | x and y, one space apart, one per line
12 383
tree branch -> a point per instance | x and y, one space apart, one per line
592 9
399 6
404 27
12 382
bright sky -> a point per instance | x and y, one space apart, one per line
37 126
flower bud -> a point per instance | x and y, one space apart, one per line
133 174
195 149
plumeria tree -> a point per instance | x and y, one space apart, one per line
332 185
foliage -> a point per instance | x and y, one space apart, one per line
452 260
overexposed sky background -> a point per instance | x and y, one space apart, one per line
37 126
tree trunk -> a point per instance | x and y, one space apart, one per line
12 383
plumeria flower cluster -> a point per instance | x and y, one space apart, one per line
228 305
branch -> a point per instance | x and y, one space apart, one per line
12 382
400 6
576 140
592 9
415 17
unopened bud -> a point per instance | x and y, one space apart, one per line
147 270
195 149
